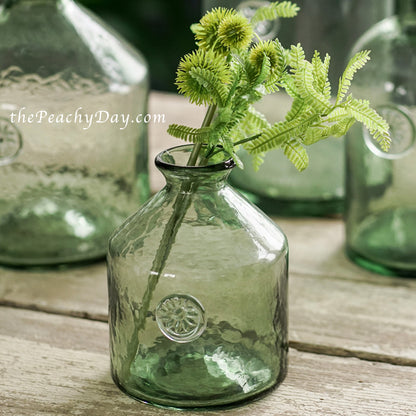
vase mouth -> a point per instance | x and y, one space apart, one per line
176 158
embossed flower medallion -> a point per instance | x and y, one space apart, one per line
181 318
402 131
10 141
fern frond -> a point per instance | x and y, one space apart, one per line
282 132
296 154
257 160
341 128
274 137
288 83
355 63
254 122
320 72
297 108
235 81
316 133
383 138
190 134
296 56
337 114
210 82
264 72
327 88
304 82
275 10
378 127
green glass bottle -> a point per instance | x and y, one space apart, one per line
73 154
197 293
381 199
330 26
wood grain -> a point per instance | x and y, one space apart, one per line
53 365
370 317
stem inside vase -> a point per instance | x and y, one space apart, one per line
180 207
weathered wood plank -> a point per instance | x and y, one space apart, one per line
326 314
56 365
75 291
317 247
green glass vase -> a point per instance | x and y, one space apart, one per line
73 154
197 293
381 199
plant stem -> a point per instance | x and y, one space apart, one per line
180 207
209 115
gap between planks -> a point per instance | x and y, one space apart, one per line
296 345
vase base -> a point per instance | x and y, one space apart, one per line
203 406
52 231
198 376
383 269
384 242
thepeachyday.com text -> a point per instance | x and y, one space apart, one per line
79 116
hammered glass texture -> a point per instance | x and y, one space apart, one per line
381 199
215 329
65 185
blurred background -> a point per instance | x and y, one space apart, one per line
158 28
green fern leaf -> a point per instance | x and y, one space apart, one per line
336 115
264 72
320 72
378 127
355 63
254 122
210 82
288 83
190 134
316 133
327 88
298 107
282 132
317 69
296 154
304 82
341 128
235 81
274 137
275 10
296 56
257 160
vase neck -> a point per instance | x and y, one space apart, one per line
172 164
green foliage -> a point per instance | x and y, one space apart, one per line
356 63
189 134
275 10
229 75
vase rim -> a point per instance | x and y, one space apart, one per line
214 167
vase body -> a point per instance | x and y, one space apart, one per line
381 202
197 293
71 167
329 26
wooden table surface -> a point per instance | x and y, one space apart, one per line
352 333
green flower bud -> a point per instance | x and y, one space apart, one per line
199 73
223 30
273 53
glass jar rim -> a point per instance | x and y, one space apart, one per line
214 167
